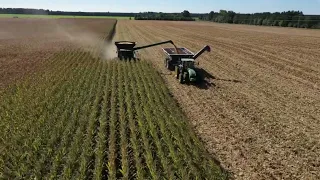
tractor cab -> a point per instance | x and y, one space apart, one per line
187 63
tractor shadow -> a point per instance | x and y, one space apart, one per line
207 80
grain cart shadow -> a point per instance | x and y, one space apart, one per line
228 80
207 79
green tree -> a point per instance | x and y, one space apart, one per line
211 16
236 20
186 14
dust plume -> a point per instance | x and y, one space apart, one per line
109 51
87 40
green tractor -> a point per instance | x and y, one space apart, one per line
186 71
184 63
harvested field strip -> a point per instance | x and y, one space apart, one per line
260 56
85 117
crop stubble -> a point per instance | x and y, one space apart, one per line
258 111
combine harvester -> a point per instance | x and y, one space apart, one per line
181 59
127 51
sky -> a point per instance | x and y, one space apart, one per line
194 6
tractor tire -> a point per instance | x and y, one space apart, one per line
177 72
181 80
186 77
171 67
167 64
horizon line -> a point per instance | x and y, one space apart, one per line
150 11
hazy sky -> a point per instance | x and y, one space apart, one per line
195 6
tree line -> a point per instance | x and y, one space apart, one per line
65 13
183 16
284 19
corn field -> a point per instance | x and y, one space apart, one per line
88 118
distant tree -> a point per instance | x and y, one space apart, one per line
211 15
275 23
186 14
230 16
223 12
236 19
281 23
284 19
265 22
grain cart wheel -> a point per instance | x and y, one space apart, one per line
167 64
181 78
166 60
177 71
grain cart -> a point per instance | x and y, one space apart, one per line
126 49
182 61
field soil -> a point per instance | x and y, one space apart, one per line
258 110
25 44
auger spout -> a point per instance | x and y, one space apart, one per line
156 44
206 48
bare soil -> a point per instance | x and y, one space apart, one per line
258 111
26 44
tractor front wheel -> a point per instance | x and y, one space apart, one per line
181 78
186 77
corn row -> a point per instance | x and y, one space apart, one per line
112 154
131 102
141 118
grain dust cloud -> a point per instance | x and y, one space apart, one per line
88 41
